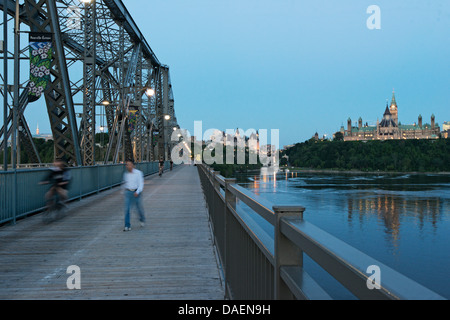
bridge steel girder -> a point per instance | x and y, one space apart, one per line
147 116
89 92
151 121
25 136
108 74
120 135
159 114
137 134
42 16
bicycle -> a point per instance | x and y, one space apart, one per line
56 209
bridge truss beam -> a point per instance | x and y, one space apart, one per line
101 62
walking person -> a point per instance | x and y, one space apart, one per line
133 185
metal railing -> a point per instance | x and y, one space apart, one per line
261 251
21 194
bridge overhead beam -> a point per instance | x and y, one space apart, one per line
90 70
120 12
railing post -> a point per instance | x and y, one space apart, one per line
80 174
111 179
230 199
286 253
15 202
216 183
215 198
98 179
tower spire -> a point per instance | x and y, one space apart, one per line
394 108
393 102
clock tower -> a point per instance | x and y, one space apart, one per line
394 109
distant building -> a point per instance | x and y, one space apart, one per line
389 128
446 130
316 137
46 137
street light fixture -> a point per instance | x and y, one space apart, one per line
150 92
167 117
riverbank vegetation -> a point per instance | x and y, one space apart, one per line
229 170
392 155
46 149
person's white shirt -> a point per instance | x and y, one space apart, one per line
133 180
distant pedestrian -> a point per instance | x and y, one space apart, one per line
161 166
171 165
133 185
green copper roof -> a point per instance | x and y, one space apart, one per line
364 129
408 127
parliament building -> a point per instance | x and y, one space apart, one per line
390 128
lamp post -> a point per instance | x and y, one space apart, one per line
126 100
150 140
5 85
14 138
102 130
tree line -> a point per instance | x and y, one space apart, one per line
229 170
377 155
46 149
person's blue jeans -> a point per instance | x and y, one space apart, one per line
131 200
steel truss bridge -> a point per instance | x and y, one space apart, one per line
101 61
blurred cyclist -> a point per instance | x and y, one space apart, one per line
59 177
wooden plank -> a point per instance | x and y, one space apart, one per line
170 258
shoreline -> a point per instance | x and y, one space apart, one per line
355 172
334 171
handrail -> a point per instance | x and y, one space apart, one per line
292 238
349 265
262 239
20 194
261 207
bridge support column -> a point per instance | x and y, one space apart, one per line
89 92
286 253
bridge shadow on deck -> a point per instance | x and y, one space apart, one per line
172 257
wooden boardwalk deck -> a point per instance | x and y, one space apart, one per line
170 258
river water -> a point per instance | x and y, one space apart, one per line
401 220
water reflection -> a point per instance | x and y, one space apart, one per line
393 200
400 220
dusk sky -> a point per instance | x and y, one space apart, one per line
297 66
